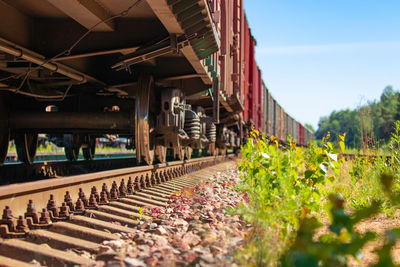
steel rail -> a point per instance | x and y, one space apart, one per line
85 226
18 196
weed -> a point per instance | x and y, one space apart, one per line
281 187
287 190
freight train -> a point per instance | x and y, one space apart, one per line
174 77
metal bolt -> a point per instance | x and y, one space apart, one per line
51 206
22 226
79 205
45 217
64 210
130 188
93 201
122 188
95 193
31 212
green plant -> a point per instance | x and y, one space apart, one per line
333 248
342 241
281 187
288 188
140 211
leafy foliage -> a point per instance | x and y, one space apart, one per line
281 187
333 248
371 121
287 190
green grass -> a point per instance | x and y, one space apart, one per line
290 191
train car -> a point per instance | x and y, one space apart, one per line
301 141
271 118
248 111
229 19
309 136
259 103
277 120
145 70
283 123
286 126
169 76
253 114
290 127
265 110
295 131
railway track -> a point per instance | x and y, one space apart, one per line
19 172
80 212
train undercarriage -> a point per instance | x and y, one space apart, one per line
142 69
157 122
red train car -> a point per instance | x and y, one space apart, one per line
301 140
229 18
253 86
231 50
248 112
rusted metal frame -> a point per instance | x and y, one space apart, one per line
181 77
151 52
197 29
135 60
17 51
47 121
215 108
210 22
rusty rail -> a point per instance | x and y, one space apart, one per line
76 210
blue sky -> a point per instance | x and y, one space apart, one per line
319 56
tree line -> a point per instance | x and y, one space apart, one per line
367 124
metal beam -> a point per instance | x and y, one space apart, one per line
15 50
165 15
116 122
170 22
86 12
99 53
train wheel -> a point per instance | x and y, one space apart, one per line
89 150
144 121
188 152
72 145
26 145
161 153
